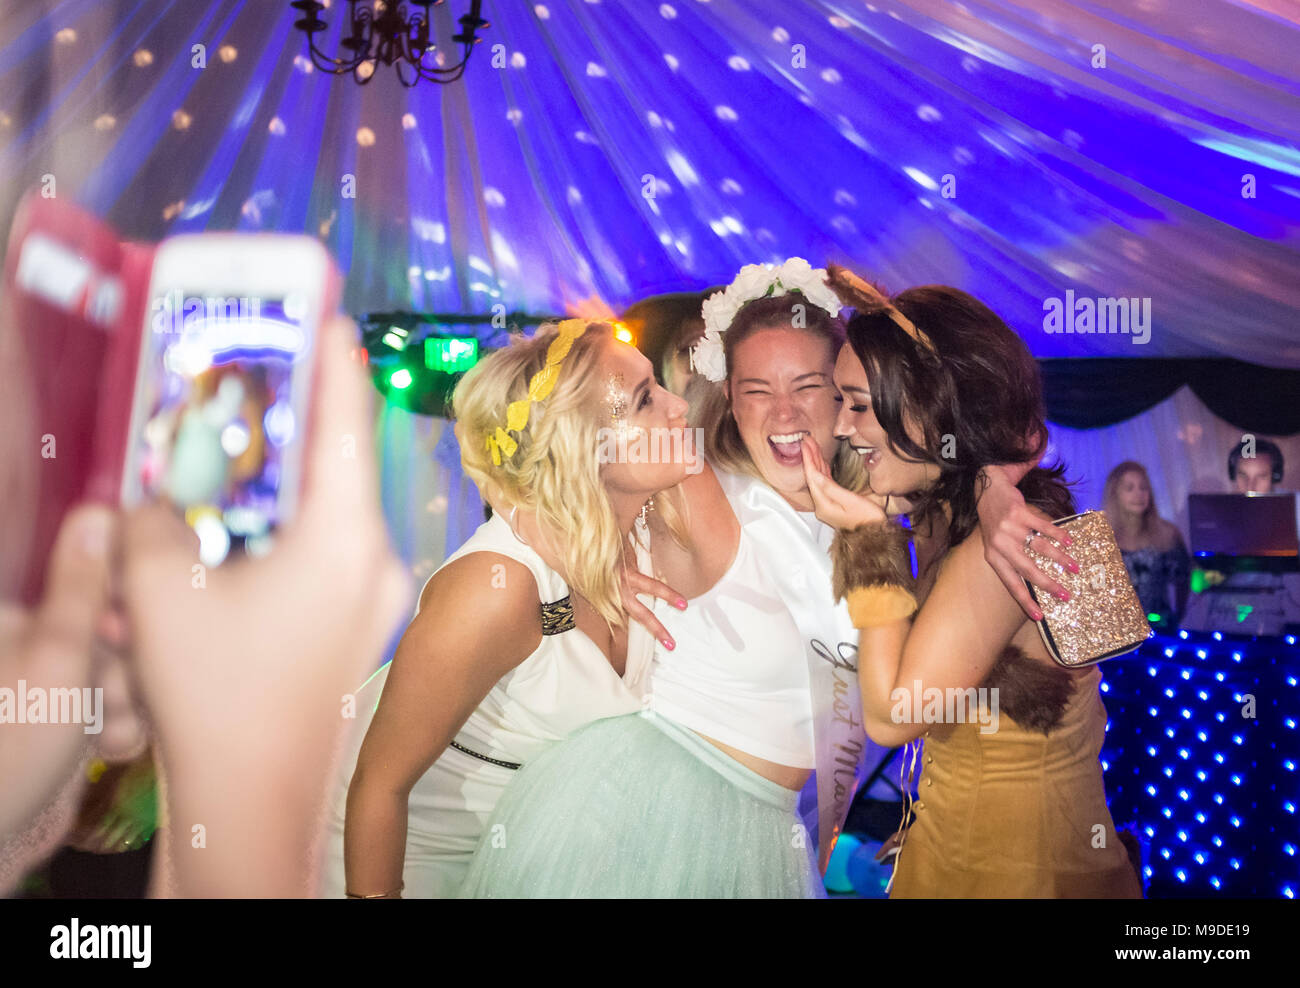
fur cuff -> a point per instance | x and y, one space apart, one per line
879 604
869 555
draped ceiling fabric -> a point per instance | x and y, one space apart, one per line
620 148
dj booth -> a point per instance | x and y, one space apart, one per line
1202 742
1247 568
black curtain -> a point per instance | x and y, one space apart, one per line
1094 392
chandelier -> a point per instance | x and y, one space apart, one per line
385 32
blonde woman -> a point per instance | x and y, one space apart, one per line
1153 549
520 638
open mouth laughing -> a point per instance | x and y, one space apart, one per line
786 447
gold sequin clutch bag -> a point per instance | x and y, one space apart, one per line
1103 617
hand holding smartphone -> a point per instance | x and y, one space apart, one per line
182 372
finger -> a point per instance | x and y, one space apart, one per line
645 617
1024 566
76 590
809 468
641 583
1016 586
156 545
124 733
812 452
111 627
1041 522
340 479
1044 547
818 485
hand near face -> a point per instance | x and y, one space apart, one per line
833 504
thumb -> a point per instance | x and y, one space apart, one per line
342 480
76 589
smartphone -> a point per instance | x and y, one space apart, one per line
223 383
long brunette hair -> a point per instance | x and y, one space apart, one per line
975 395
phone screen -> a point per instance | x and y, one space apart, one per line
219 413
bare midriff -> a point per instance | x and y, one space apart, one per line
783 775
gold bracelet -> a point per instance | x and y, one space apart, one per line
394 894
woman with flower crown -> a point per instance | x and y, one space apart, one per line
520 638
695 795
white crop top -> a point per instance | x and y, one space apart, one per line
739 673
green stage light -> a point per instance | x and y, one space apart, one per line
450 354
400 379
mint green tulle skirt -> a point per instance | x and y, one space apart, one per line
639 807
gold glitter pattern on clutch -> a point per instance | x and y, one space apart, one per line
1103 616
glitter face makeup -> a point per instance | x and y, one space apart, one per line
616 398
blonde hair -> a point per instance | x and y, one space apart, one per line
555 471
1149 522
711 409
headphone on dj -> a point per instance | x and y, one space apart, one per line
1262 448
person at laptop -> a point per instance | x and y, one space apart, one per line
1255 466
1154 553
1245 537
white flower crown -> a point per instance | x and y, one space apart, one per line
755 281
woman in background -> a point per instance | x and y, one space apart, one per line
1153 549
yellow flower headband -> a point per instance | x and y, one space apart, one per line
500 443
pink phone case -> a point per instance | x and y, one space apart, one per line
74 300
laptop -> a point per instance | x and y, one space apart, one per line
1246 547
1258 525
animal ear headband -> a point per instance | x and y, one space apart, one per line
865 298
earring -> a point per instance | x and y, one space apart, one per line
511 523
646 509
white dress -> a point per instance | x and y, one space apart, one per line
564 685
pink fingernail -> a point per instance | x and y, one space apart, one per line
1038 615
1074 567
681 603
1069 541
668 643
1063 595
